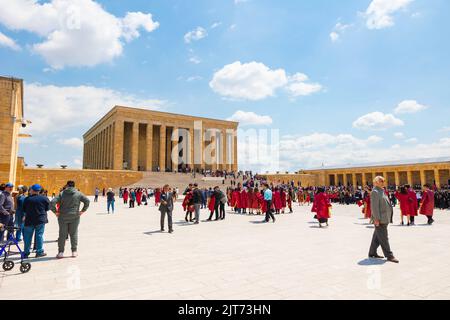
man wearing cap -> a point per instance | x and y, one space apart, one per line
35 208
6 208
69 214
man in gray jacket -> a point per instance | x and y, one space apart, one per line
166 207
69 213
382 213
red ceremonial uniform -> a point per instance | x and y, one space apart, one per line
244 199
321 206
262 203
211 204
256 201
413 206
125 196
367 208
157 197
427 205
405 203
283 199
277 200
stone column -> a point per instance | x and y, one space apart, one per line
364 180
336 179
118 145
174 151
344 179
235 151
355 183
149 148
437 178
162 148
423 177
409 174
214 157
224 150
191 141
397 178
134 146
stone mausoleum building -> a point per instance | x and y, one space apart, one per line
145 140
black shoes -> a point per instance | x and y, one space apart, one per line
375 256
40 255
393 260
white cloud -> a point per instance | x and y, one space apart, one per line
338 29
412 140
380 13
78 162
7 42
445 129
311 151
299 87
72 142
195 60
377 121
55 109
256 81
193 78
195 35
216 25
409 106
76 32
334 36
399 135
250 118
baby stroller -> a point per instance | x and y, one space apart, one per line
5 249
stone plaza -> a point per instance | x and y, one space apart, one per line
125 256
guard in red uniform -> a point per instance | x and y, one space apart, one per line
406 205
414 207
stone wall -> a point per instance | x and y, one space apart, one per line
86 180
306 180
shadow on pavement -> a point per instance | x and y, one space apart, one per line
371 262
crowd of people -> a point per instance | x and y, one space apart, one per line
24 211
26 208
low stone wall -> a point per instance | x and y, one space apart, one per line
306 180
86 180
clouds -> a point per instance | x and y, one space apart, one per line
338 29
380 13
7 42
250 118
55 109
195 35
409 106
74 33
377 121
255 81
76 143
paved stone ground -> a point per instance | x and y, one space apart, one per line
123 256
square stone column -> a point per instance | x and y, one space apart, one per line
174 151
149 148
235 151
355 183
162 148
423 178
118 145
135 146
437 178
191 142
409 174
364 179
397 178
214 153
224 150
344 179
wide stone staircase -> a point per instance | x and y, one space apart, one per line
180 180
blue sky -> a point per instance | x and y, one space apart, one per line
329 75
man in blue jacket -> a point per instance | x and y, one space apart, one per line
35 208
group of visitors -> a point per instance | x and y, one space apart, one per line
24 210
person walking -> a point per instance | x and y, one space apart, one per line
427 203
110 200
20 214
166 208
6 209
268 202
197 200
69 213
219 204
96 192
382 213
35 207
